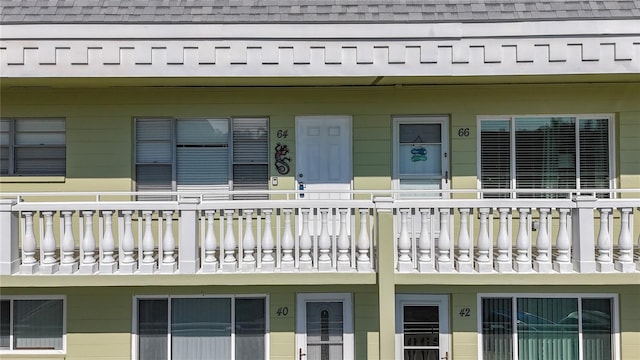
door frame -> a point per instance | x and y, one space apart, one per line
443 120
442 301
347 320
299 119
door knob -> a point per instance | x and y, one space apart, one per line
300 175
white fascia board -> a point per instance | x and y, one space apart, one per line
320 50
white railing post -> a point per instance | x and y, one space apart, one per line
324 243
127 245
364 244
522 262
108 264
248 244
29 262
404 243
444 263
287 263
68 263
169 264
9 239
306 262
425 260
189 236
463 263
230 262
210 262
542 263
503 262
583 242
343 262
562 263
268 263
483 262
88 264
148 263
49 263
604 261
625 243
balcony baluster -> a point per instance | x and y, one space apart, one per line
503 262
404 243
288 262
343 262
483 263
248 244
29 261
306 262
463 262
543 260
49 262
88 265
364 262
210 262
68 263
604 262
268 261
625 243
444 263
523 243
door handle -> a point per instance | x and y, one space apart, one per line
445 357
300 354
446 177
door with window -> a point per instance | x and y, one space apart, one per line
324 327
422 327
421 155
323 156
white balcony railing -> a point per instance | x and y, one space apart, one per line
82 233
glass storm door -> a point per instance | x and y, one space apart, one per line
323 156
422 329
324 327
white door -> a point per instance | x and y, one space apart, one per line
422 327
323 156
324 327
421 155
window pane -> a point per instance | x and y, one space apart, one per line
596 329
152 329
5 318
250 329
40 161
324 330
202 166
545 153
37 324
594 153
541 335
421 326
4 160
497 329
250 140
200 327
420 133
495 156
202 131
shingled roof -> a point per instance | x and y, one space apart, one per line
309 11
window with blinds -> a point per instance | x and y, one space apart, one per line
33 147
202 155
563 152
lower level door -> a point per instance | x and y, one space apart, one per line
422 327
324 327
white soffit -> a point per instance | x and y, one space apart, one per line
292 50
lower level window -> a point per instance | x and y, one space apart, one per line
195 328
31 324
562 328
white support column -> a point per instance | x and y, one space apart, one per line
404 243
49 263
522 262
88 264
503 262
444 263
625 243
583 242
189 236
210 262
29 262
168 265
463 263
248 244
68 262
343 262
483 262
306 262
287 263
364 262
128 263
324 243
542 263
268 261
562 263
9 239
604 262
108 264
148 264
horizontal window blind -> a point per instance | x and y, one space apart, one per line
495 156
594 155
154 156
250 156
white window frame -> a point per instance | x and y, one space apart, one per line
442 301
512 144
348 349
11 163
443 121
615 322
12 351
229 145
134 333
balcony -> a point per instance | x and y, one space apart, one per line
100 233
